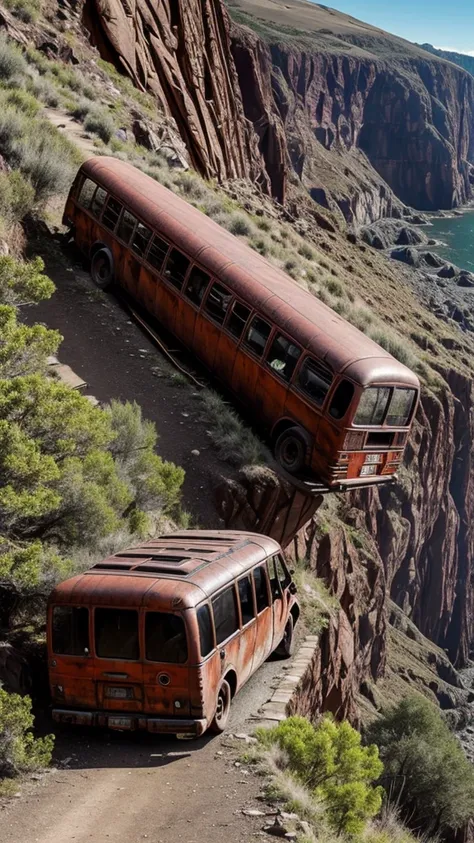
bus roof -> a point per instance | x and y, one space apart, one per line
176 571
265 287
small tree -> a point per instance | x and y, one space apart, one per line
330 760
426 771
20 751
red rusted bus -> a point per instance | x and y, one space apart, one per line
336 406
162 636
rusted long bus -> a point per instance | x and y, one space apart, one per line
334 404
162 636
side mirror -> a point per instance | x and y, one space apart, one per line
292 571
293 588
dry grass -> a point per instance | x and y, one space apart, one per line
234 441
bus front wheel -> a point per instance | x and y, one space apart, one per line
291 449
221 716
102 270
285 647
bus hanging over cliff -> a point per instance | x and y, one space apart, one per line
335 405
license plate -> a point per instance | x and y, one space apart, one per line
372 458
119 722
368 469
119 693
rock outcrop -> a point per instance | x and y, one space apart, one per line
363 120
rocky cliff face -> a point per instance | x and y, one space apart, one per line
358 128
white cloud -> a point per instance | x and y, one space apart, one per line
456 50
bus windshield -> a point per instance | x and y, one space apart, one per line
385 405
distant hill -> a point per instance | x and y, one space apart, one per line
467 62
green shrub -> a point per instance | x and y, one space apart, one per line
17 196
191 185
335 287
44 162
19 750
13 126
236 443
99 123
81 109
306 252
330 760
396 346
37 59
260 244
292 267
23 101
26 10
426 771
240 225
44 90
12 62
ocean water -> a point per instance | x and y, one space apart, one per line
457 237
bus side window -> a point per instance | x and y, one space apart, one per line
238 319
261 587
314 379
282 572
176 268
246 600
217 303
226 618
87 192
157 253
141 238
257 335
283 356
341 400
196 285
98 202
126 226
206 631
111 214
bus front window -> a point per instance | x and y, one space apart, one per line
401 405
341 400
372 406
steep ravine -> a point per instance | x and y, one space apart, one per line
362 122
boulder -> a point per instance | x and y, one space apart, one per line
432 260
448 271
409 237
466 279
406 255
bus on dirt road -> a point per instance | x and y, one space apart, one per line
162 636
335 405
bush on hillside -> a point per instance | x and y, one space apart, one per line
426 771
12 62
26 10
17 196
20 751
330 761
99 123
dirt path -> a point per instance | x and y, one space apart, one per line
72 129
117 360
110 786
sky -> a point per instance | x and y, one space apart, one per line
448 24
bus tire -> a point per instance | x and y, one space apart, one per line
291 448
285 647
224 698
102 269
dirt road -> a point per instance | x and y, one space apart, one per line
112 786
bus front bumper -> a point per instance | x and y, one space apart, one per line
130 722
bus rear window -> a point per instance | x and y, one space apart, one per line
372 405
87 192
116 634
341 400
315 379
70 630
165 638
400 407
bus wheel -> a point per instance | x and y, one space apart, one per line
102 269
290 450
223 708
285 647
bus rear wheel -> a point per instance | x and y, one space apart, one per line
102 270
290 450
221 716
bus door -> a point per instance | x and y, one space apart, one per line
227 349
168 300
165 665
280 580
208 330
248 361
194 293
274 378
248 635
118 668
263 606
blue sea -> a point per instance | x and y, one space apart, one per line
457 236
